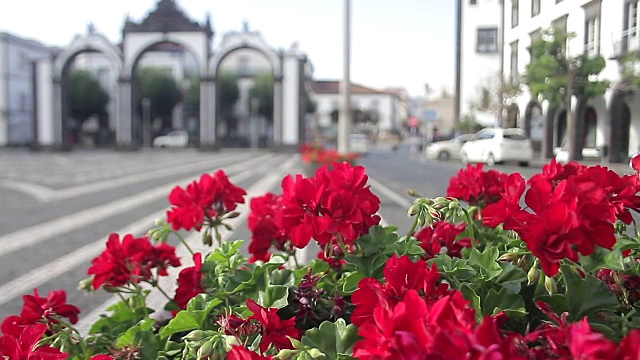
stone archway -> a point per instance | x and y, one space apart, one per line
288 69
620 129
235 42
91 42
165 24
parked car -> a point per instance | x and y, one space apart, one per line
359 143
176 139
446 149
496 145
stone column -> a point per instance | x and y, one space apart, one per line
58 119
277 111
123 123
208 116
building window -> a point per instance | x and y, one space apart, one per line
630 26
487 40
513 69
243 65
514 13
535 7
23 101
472 2
592 36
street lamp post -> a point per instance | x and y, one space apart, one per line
344 120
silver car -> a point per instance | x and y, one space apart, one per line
495 145
447 149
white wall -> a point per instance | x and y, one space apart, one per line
477 68
387 107
17 123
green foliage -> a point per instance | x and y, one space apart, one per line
229 92
263 91
551 70
159 86
87 96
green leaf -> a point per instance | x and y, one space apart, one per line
504 300
511 277
486 262
586 296
183 321
351 281
129 335
332 339
274 297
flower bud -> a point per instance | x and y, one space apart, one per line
533 275
195 335
233 214
86 284
206 349
550 285
207 239
159 222
413 193
508 256
413 210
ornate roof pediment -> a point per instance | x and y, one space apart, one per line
166 17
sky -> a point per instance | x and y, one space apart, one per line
394 43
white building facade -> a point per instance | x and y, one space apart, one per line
375 104
608 28
16 88
478 48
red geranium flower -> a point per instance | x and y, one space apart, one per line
130 261
265 233
274 330
477 187
23 346
189 282
441 238
241 353
211 196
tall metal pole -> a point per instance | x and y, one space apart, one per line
344 120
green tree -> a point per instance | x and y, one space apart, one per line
555 76
263 91
161 88
87 96
229 92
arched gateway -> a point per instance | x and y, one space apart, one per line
168 24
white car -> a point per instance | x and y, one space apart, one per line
447 149
359 143
496 145
562 154
176 139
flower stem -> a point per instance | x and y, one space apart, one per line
413 227
155 284
472 233
295 259
184 242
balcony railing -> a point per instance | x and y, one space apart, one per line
629 42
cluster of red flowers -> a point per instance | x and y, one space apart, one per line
207 198
37 309
414 317
476 186
189 282
265 233
266 322
565 207
131 261
23 345
336 202
314 154
441 238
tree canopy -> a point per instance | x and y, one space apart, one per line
229 92
159 86
263 91
87 96
549 72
